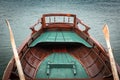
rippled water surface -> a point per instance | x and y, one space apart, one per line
24 13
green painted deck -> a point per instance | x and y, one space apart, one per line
61 65
59 36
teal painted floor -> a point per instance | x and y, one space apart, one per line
61 71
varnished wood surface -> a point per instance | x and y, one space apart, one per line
90 59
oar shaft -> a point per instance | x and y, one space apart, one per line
112 60
17 60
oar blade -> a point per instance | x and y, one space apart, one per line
16 56
111 57
106 32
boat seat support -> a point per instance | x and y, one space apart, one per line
61 65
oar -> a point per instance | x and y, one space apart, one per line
18 64
112 60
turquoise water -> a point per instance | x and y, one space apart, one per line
24 13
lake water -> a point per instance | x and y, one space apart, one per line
24 13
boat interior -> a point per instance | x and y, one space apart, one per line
43 61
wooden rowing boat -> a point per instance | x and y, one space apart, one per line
62 50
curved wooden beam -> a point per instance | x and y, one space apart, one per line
18 64
111 57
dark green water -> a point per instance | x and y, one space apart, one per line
24 13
